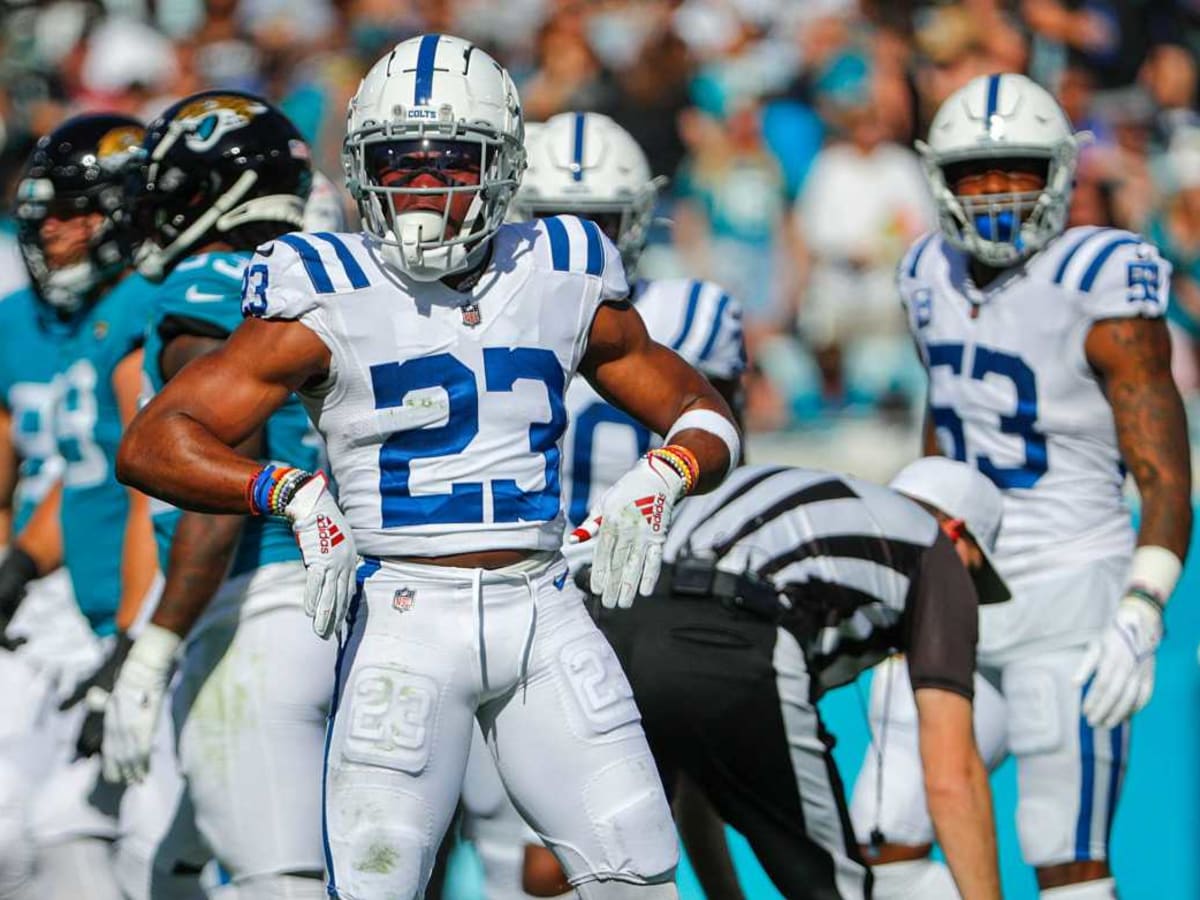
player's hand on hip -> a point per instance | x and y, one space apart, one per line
1120 664
329 554
135 703
630 530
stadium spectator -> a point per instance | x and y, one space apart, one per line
864 201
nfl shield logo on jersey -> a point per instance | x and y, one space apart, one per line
404 599
471 315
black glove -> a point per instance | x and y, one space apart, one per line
91 734
16 571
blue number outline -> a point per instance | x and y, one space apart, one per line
391 383
1022 422
503 367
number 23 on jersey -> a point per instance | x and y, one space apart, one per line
503 367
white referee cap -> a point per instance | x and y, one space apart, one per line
961 492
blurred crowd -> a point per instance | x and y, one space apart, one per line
786 128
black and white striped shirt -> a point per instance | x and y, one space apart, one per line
847 555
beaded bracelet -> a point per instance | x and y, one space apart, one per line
682 461
271 489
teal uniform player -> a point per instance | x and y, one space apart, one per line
56 376
202 296
87 428
28 362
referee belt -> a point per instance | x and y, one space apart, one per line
695 579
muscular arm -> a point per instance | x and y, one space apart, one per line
653 384
1133 359
180 447
139 559
203 545
956 788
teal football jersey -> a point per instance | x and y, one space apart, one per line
28 362
87 427
203 296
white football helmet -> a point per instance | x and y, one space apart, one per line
1001 117
443 98
587 165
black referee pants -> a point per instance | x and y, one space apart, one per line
725 698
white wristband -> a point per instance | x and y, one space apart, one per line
715 424
1156 571
155 647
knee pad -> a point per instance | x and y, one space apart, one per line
918 879
626 890
383 861
1100 889
632 825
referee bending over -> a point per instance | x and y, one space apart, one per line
782 584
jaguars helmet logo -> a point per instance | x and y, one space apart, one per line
209 119
116 145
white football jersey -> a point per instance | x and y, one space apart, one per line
700 322
1010 389
444 411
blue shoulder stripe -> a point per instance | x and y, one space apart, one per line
595 249
689 316
358 278
426 54
1070 255
1089 277
916 260
560 244
313 264
716 327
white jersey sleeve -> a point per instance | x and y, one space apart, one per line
293 276
577 250
917 302
1116 275
699 320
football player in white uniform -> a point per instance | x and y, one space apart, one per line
585 164
1049 370
432 351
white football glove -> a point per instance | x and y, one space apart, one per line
134 704
1121 664
631 522
329 554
